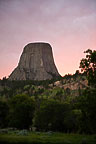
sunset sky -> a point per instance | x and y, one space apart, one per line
68 25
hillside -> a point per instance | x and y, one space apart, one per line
69 85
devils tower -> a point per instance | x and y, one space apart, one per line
36 63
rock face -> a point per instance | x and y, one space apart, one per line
36 63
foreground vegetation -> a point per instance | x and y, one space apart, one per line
46 138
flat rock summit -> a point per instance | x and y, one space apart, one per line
36 63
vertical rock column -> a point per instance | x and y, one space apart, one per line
36 63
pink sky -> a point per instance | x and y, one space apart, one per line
68 25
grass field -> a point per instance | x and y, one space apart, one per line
46 138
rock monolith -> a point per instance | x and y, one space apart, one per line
36 63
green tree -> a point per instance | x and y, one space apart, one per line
3 113
88 65
54 115
87 104
21 111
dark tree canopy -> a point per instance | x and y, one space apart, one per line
55 116
3 113
87 104
88 65
21 111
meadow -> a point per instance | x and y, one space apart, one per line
21 137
